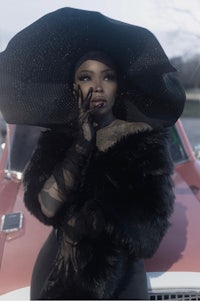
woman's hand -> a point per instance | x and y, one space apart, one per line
84 113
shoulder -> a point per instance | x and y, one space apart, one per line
144 139
117 131
130 126
145 151
144 143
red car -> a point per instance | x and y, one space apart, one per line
174 271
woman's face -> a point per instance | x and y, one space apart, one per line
103 81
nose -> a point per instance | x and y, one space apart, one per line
98 89
98 86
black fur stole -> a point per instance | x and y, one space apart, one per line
121 211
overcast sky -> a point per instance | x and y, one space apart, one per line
176 23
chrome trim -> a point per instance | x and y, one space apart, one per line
174 295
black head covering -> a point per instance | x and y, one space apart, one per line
36 66
96 56
99 56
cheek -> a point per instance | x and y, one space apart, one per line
112 94
84 88
113 91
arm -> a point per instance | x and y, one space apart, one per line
54 163
55 169
65 179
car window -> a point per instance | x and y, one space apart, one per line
23 143
176 147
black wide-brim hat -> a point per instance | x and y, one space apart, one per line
36 69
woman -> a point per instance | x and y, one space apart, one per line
106 189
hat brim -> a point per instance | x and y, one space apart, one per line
38 62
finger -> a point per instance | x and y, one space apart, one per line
88 113
80 98
95 109
85 116
86 102
76 93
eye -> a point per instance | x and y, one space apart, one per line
84 77
110 76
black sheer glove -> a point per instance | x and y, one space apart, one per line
85 137
68 173
77 157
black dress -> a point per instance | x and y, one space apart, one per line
135 287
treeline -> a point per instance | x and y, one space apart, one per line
188 71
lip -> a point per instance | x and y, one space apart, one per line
98 99
98 102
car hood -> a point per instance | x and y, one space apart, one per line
18 249
176 263
178 253
179 250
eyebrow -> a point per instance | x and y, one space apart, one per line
103 71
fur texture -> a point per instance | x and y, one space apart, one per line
120 211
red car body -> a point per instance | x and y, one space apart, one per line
173 272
